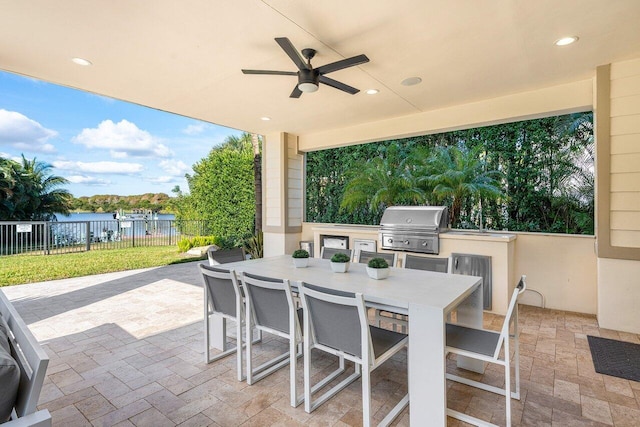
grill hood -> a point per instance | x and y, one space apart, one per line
422 218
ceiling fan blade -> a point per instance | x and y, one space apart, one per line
293 53
338 85
296 92
277 73
344 63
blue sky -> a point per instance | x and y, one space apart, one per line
101 145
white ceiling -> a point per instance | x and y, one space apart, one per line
185 56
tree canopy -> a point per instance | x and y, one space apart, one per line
30 192
221 191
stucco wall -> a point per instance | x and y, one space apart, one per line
562 267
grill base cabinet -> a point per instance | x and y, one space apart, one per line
475 265
497 248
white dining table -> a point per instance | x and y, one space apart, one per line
427 297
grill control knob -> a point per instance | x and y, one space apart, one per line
425 243
406 242
390 240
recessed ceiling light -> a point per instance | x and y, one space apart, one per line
372 91
265 118
566 41
81 61
411 81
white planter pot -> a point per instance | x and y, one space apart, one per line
340 267
300 262
378 273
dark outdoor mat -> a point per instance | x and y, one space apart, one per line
616 358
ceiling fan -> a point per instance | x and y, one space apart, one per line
309 77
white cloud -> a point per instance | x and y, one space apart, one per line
123 139
174 167
87 180
100 167
23 133
195 129
161 179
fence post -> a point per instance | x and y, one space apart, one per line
88 236
133 233
46 238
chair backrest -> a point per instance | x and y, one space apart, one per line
29 355
363 257
225 255
440 265
512 312
223 290
337 319
270 300
327 253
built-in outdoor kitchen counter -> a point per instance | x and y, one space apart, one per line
497 245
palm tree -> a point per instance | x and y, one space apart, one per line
455 173
38 193
382 181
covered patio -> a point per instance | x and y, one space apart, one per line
126 349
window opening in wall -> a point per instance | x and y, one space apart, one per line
534 175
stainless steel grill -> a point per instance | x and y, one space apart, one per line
413 228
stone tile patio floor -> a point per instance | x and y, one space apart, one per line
126 349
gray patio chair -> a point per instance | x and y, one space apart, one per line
223 297
439 265
336 322
223 256
327 253
271 308
363 257
485 345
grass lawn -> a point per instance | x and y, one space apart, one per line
19 269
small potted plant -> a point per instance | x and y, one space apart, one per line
340 263
377 268
300 258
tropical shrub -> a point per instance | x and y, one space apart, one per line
194 242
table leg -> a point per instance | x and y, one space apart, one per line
427 384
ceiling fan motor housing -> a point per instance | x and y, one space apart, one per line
308 76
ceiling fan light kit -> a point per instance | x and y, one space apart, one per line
309 78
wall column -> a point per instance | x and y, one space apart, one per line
282 192
617 120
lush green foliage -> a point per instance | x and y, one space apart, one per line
28 191
378 263
19 269
194 242
542 169
221 191
328 171
300 253
112 203
454 174
340 257
382 181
